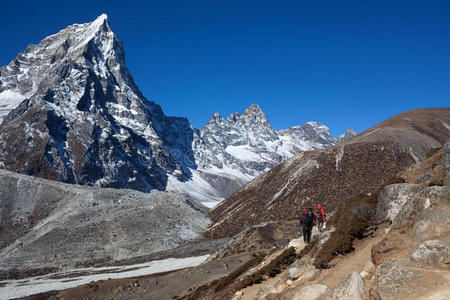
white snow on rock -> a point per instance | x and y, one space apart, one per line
9 100
243 152
12 289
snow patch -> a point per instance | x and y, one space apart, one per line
339 157
8 101
30 286
243 152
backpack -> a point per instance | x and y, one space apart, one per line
308 219
319 213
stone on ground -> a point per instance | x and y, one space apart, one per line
351 288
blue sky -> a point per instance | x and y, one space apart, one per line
342 63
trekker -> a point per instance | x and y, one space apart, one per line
307 225
320 216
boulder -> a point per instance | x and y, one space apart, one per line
440 295
293 272
433 196
435 252
405 279
432 224
392 198
264 291
301 270
313 292
427 198
351 288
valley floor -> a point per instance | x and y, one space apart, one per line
69 279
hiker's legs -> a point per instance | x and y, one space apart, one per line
304 233
319 225
308 235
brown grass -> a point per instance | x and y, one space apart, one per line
232 277
219 284
276 266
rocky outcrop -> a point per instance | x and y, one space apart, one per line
393 198
434 252
336 174
301 270
404 279
432 224
351 288
420 231
47 224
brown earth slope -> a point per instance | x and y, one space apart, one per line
334 175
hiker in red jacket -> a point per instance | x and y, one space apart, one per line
320 216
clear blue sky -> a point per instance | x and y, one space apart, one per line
342 63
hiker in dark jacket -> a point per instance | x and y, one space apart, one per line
307 225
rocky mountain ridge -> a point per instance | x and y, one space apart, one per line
71 111
333 175
236 149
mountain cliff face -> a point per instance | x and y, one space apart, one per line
71 111
83 119
333 175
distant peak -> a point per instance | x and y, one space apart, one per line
215 118
350 131
315 124
253 109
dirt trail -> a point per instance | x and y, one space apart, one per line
354 261
343 265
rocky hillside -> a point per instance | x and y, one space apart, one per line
48 225
401 252
333 175
71 111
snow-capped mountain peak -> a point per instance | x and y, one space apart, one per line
83 116
73 100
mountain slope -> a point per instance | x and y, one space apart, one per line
47 224
333 175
